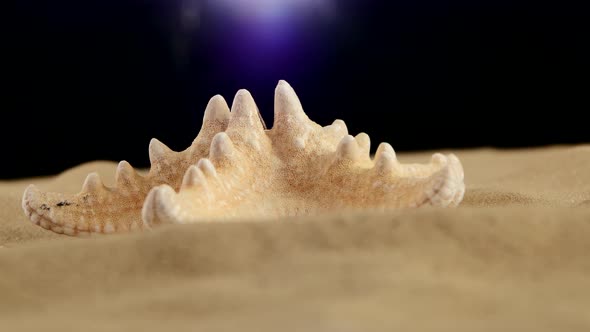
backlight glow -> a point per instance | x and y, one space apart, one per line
273 9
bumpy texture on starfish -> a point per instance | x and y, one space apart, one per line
236 168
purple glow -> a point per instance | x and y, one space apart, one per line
266 40
264 10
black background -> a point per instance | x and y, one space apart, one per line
87 80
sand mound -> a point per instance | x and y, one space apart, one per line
514 256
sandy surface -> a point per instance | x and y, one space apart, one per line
515 256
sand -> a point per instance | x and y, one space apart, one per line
515 256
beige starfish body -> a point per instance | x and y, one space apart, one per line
237 169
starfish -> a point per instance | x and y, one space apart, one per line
236 168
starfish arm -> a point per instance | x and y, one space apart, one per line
101 209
